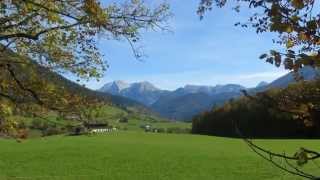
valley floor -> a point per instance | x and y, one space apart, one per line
141 156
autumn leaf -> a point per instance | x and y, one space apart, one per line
298 4
289 44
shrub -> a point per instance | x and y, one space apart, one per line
22 133
77 130
124 120
37 123
161 130
52 131
178 130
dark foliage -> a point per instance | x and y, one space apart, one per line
277 113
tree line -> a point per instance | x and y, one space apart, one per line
292 112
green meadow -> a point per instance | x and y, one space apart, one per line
141 156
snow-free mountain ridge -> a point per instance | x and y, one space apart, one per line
187 101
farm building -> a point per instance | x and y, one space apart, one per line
92 126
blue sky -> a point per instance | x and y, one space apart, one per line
208 52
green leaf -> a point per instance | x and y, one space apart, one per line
289 44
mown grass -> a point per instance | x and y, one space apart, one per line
141 156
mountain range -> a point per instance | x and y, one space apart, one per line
185 102
143 92
307 73
180 104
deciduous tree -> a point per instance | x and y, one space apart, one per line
297 24
61 36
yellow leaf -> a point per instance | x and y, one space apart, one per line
295 18
289 29
290 44
303 37
6 109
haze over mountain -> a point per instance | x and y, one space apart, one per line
261 84
307 73
143 92
185 102
181 103
115 87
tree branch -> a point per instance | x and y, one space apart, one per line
12 99
21 22
269 156
21 86
51 10
37 35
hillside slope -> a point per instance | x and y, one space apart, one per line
273 113
39 78
306 73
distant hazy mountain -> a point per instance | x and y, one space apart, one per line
183 107
209 90
184 103
180 104
262 84
114 87
143 92
307 73
186 106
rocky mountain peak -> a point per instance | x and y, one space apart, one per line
144 86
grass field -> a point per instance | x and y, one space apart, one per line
140 156
135 120
108 114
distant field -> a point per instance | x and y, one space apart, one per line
108 114
140 156
112 115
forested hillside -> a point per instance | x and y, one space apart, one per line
84 105
35 74
289 113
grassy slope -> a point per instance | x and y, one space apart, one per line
33 74
136 156
112 115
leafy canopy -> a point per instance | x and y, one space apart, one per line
62 35
297 23
38 37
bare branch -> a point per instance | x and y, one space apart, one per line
269 156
